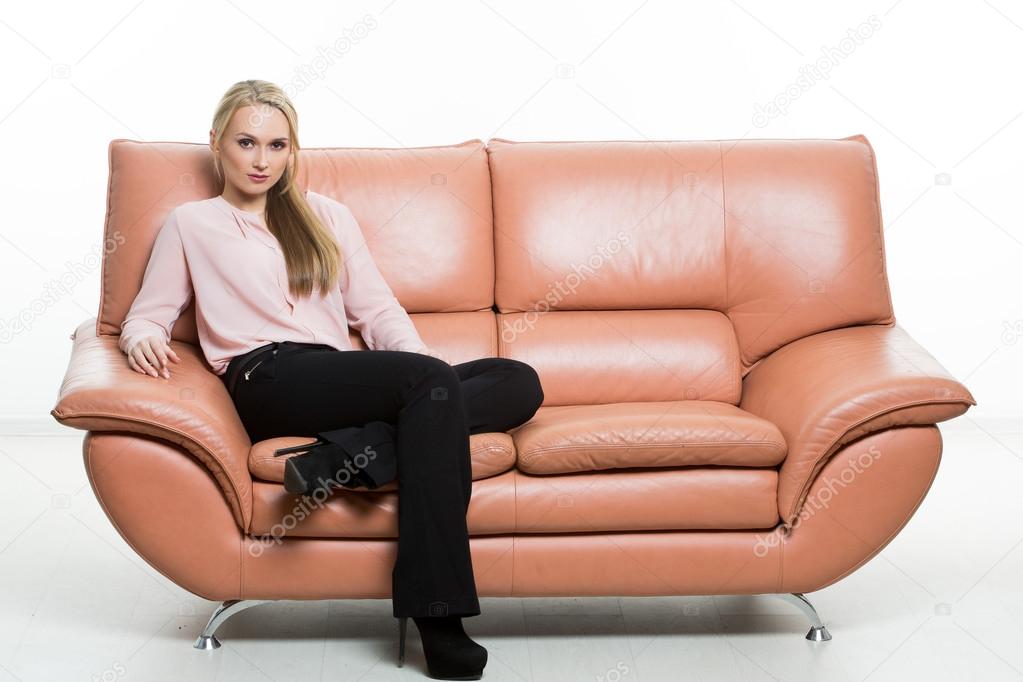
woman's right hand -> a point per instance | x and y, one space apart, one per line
150 355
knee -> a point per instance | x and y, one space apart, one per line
435 375
434 367
527 384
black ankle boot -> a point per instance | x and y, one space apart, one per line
450 653
321 469
353 457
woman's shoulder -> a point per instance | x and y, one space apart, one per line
336 214
325 202
196 218
195 209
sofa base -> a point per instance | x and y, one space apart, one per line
172 513
207 639
818 631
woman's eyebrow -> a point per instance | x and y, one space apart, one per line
279 139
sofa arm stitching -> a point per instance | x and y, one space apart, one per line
780 447
827 452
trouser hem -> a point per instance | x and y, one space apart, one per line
466 606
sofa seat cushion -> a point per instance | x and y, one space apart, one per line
682 498
491 454
574 438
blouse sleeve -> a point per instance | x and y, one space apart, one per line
166 289
370 305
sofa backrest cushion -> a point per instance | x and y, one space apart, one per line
425 212
781 238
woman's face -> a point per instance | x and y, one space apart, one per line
257 142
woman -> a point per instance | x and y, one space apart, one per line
274 298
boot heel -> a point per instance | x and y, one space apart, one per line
402 627
299 448
294 483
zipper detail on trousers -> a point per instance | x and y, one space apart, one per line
251 369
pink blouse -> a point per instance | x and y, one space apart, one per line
234 266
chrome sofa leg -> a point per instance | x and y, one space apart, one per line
818 631
207 639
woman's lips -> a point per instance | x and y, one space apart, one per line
258 178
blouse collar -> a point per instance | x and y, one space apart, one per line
247 219
252 224
251 215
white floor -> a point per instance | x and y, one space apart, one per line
942 602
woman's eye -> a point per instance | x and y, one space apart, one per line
277 145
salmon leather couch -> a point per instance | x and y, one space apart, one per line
730 407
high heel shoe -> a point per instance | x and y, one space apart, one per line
450 653
353 457
318 469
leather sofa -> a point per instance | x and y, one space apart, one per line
730 406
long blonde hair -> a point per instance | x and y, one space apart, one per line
310 251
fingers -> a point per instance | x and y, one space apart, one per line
150 354
139 359
134 365
147 360
160 349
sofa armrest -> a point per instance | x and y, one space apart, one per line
193 409
825 390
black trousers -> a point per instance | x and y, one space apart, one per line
306 388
